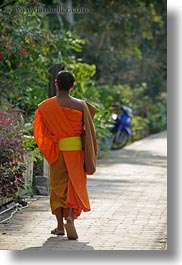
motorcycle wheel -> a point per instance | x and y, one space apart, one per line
120 139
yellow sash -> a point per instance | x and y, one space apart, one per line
70 143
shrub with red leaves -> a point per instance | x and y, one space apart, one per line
24 52
12 166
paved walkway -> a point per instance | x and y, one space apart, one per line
128 197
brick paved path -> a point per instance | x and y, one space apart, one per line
128 197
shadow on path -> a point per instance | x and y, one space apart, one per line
58 243
135 157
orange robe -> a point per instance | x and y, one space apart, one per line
67 175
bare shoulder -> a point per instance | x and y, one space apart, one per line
76 104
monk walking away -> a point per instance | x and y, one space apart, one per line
65 134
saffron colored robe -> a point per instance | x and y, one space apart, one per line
67 175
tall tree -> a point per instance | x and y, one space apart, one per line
126 40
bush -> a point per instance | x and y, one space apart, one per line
12 166
149 115
140 128
157 116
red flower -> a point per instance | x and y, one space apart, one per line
24 52
1 55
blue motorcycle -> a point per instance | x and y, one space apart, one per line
121 130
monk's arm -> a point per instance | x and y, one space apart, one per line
46 142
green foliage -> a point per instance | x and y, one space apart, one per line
140 128
24 57
28 187
83 73
29 144
122 43
67 42
27 49
157 116
149 116
127 41
102 122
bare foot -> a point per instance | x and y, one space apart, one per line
58 231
